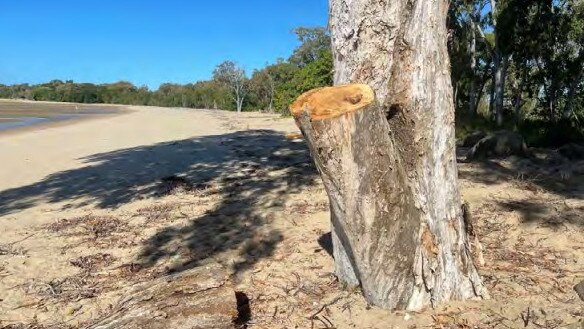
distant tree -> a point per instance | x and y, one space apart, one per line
44 93
317 73
232 76
283 73
211 95
313 41
271 88
5 91
263 88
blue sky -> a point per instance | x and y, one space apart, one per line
146 42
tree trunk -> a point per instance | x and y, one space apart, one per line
389 166
500 71
520 82
498 87
272 93
239 96
382 238
568 108
473 64
552 107
238 102
371 211
518 104
492 95
481 90
455 97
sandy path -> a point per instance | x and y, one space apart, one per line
29 156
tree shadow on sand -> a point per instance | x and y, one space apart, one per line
250 170
552 174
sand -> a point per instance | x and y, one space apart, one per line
19 115
89 209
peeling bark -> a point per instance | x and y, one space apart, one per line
409 248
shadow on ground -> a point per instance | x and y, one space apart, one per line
325 241
554 215
250 171
548 173
552 174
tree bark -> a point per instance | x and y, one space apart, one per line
399 48
500 71
382 238
272 93
568 108
473 64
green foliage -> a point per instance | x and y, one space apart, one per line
315 74
313 41
542 42
272 88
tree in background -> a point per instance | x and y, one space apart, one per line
313 42
263 87
529 55
233 77
310 66
271 89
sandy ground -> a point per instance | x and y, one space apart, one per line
89 209
19 115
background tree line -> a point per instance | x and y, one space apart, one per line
516 64
270 89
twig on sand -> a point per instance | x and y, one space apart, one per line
9 249
23 239
526 317
325 305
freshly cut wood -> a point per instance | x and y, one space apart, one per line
381 239
200 298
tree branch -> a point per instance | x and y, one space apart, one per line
484 38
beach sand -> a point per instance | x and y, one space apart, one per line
91 208
17 115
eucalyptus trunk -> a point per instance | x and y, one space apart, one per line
500 70
419 254
472 94
568 112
